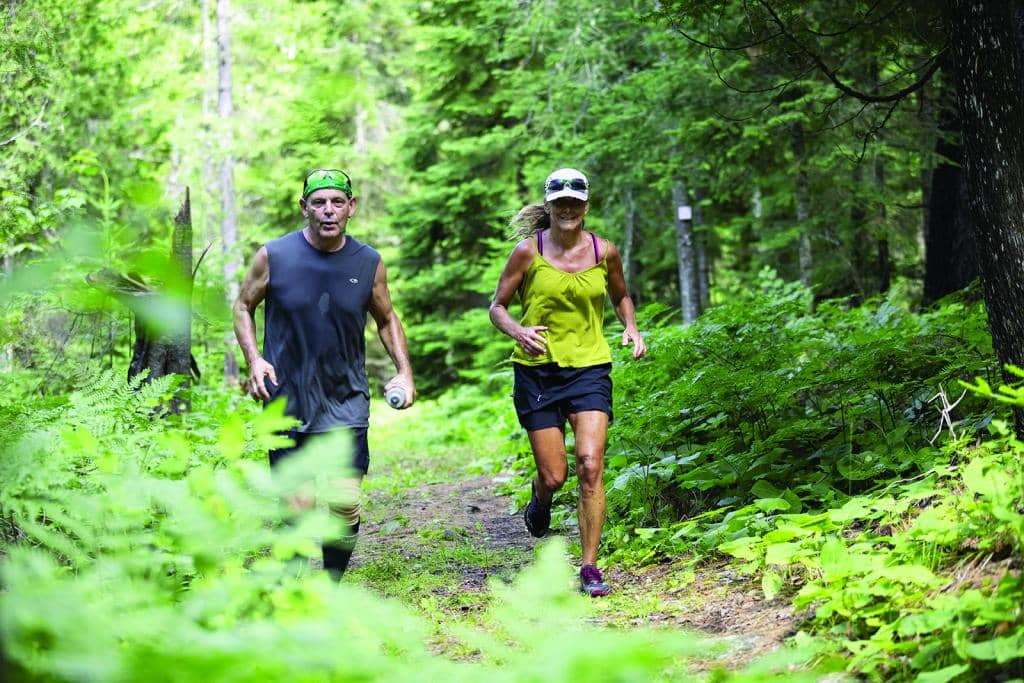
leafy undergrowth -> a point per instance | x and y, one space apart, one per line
137 547
796 444
839 458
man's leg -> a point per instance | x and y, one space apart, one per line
591 430
337 552
345 505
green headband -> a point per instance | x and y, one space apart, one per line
327 179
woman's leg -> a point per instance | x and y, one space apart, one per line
552 468
591 430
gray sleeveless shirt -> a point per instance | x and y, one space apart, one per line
315 318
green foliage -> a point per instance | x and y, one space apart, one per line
163 545
761 400
798 443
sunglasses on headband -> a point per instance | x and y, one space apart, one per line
326 178
559 184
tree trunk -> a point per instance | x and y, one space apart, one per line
180 355
950 255
882 228
629 236
882 239
802 210
926 122
700 236
209 142
987 58
170 350
229 221
859 245
748 234
686 256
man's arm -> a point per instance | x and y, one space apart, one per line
623 303
252 293
392 335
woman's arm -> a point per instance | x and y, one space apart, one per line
623 303
528 338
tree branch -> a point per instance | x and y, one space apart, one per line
39 117
833 76
728 48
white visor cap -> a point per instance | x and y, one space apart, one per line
566 182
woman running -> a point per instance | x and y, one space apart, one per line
562 362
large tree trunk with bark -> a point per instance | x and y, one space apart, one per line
163 343
950 258
988 62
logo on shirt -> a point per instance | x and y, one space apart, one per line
353 280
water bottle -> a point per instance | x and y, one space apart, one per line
395 397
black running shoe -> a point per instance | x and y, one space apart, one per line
592 583
536 515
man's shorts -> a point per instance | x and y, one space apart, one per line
360 447
545 395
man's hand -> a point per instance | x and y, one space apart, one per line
405 383
631 335
256 387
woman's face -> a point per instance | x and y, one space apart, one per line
567 213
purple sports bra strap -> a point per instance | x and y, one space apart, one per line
597 254
540 243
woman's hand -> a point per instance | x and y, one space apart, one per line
631 335
531 341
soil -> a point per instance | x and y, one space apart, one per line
718 601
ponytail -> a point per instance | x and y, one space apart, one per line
530 220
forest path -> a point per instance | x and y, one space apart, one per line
433 535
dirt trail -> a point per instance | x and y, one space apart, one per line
717 601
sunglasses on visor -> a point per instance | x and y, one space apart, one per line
559 184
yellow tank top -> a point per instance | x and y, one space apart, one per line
571 306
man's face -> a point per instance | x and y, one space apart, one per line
328 212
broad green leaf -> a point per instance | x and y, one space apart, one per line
1001 650
926 622
764 489
835 558
745 548
982 478
942 675
771 582
772 504
855 508
231 438
909 573
780 553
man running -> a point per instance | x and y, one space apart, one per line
318 284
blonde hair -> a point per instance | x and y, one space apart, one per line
530 220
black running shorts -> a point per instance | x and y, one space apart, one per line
545 395
360 447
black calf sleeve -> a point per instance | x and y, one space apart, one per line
337 554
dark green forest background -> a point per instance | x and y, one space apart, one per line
853 264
